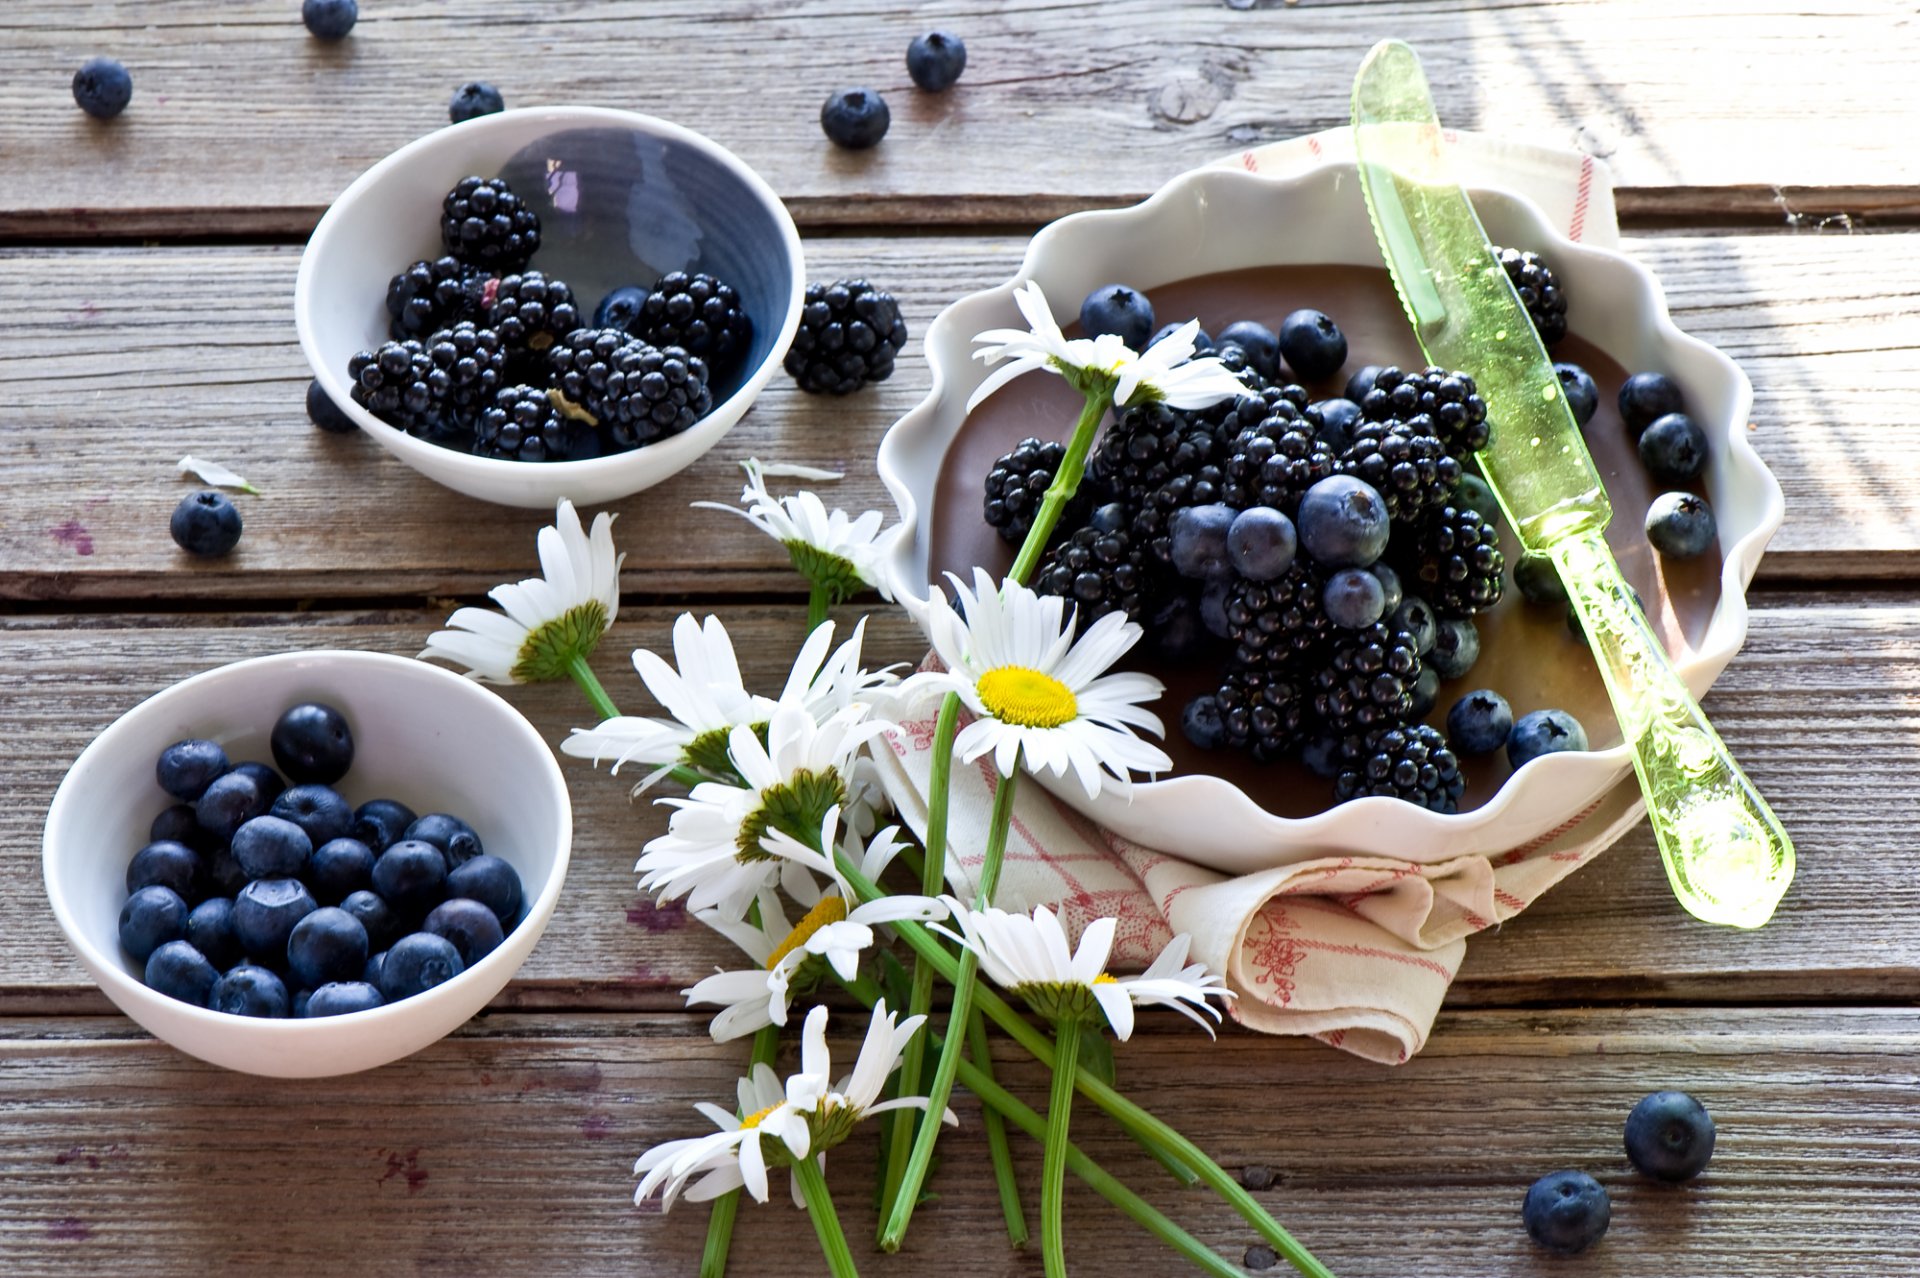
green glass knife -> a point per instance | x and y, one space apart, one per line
1726 855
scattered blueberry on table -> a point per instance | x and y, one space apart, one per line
205 524
855 118
1567 1211
936 59
1669 1136
329 19
102 88
474 99
324 413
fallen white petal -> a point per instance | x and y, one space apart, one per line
214 473
793 470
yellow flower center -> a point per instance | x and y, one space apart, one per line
1027 698
830 910
1104 979
754 1119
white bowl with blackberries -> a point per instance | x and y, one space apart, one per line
1357 660
308 864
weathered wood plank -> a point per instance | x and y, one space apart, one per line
149 356
241 124
1823 707
509 1148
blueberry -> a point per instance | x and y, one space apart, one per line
380 822
1313 345
417 963
224 875
1417 619
1343 522
1670 1136
936 59
620 308
103 88
1583 397
272 784
210 930
1566 1211
1674 449
1202 723
1115 308
375 915
1425 694
1202 341
324 413
327 945
1261 543
1197 543
1174 631
1354 597
1645 397
318 809
150 918
1338 417
271 847
337 998
300 1002
1456 646
371 973
166 864
1543 732
264 914
1477 493
228 804
1261 344
448 833
1110 518
1322 756
329 19
206 524
412 875
180 971
250 991
176 824
493 883
855 118
1479 722
338 868
312 743
1680 525
1362 381
1539 580
474 99
1213 608
1390 585
186 768
473 928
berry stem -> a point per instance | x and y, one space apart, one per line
583 676
713 1260
833 1240
1066 481
1053 1165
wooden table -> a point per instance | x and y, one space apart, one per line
146 278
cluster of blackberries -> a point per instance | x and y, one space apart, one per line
488 355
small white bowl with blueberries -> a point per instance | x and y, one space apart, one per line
309 864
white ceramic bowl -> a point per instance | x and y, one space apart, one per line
1219 220
623 198
423 735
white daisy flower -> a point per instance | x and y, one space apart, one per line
831 550
735 1156
833 1109
1028 956
1166 371
1038 693
717 851
549 621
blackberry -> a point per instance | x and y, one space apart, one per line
1153 517
391 383
1099 570
483 223
1455 554
1539 292
1235 358
1278 622
697 313
468 368
1408 468
530 310
1410 763
1016 484
638 392
1273 463
1368 681
849 333
1262 712
1146 446
524 424
1433 402
429 296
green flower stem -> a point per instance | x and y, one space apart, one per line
999 1100
932 882
689 777
713 1261
818 599
1065 481
997 1149
833 1241
964 986
1136 1121
583 675
1053 1164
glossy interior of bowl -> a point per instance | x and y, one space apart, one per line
422 735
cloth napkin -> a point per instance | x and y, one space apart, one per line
1356 951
